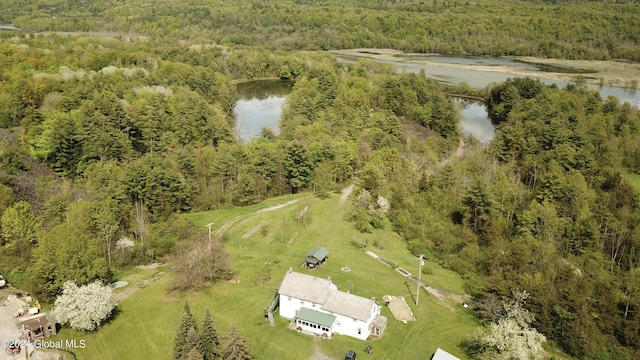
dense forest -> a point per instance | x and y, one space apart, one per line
559 29
104 142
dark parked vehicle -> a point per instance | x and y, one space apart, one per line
351 355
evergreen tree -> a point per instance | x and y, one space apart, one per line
180 349
236 348
194 355
209 338
478 204
192 344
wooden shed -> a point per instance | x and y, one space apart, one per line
37 327
316 257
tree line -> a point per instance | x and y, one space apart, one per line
140 132
556 29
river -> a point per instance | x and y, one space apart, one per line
260 102
438 70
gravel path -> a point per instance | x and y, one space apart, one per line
317 353
253 230
345 194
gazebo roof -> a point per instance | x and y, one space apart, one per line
318 253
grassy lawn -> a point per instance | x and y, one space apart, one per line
263 246
634 180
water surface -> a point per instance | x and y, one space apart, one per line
475 121
479 79
259 106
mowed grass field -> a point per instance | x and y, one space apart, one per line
263 245
634 180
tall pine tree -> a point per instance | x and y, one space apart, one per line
180 349
209 338
193 354
193 344
236 348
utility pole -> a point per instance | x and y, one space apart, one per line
419 275
209 226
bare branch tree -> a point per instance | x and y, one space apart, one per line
142 225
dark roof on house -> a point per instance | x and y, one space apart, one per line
305 287
315 317
318 253
36 321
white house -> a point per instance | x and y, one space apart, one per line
317 306
443 355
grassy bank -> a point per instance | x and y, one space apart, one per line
634 180
263 245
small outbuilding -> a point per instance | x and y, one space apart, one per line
316 257
37 327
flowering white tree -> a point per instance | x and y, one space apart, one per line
367 213
512 337
125 244
84 307
380 208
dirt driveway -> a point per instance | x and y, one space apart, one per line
8 330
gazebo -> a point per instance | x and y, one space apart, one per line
316 257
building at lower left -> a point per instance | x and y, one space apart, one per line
36 327
315 305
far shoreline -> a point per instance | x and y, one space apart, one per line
616 73
604 72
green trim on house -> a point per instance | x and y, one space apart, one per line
315 317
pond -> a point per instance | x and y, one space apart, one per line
259 105
475 120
